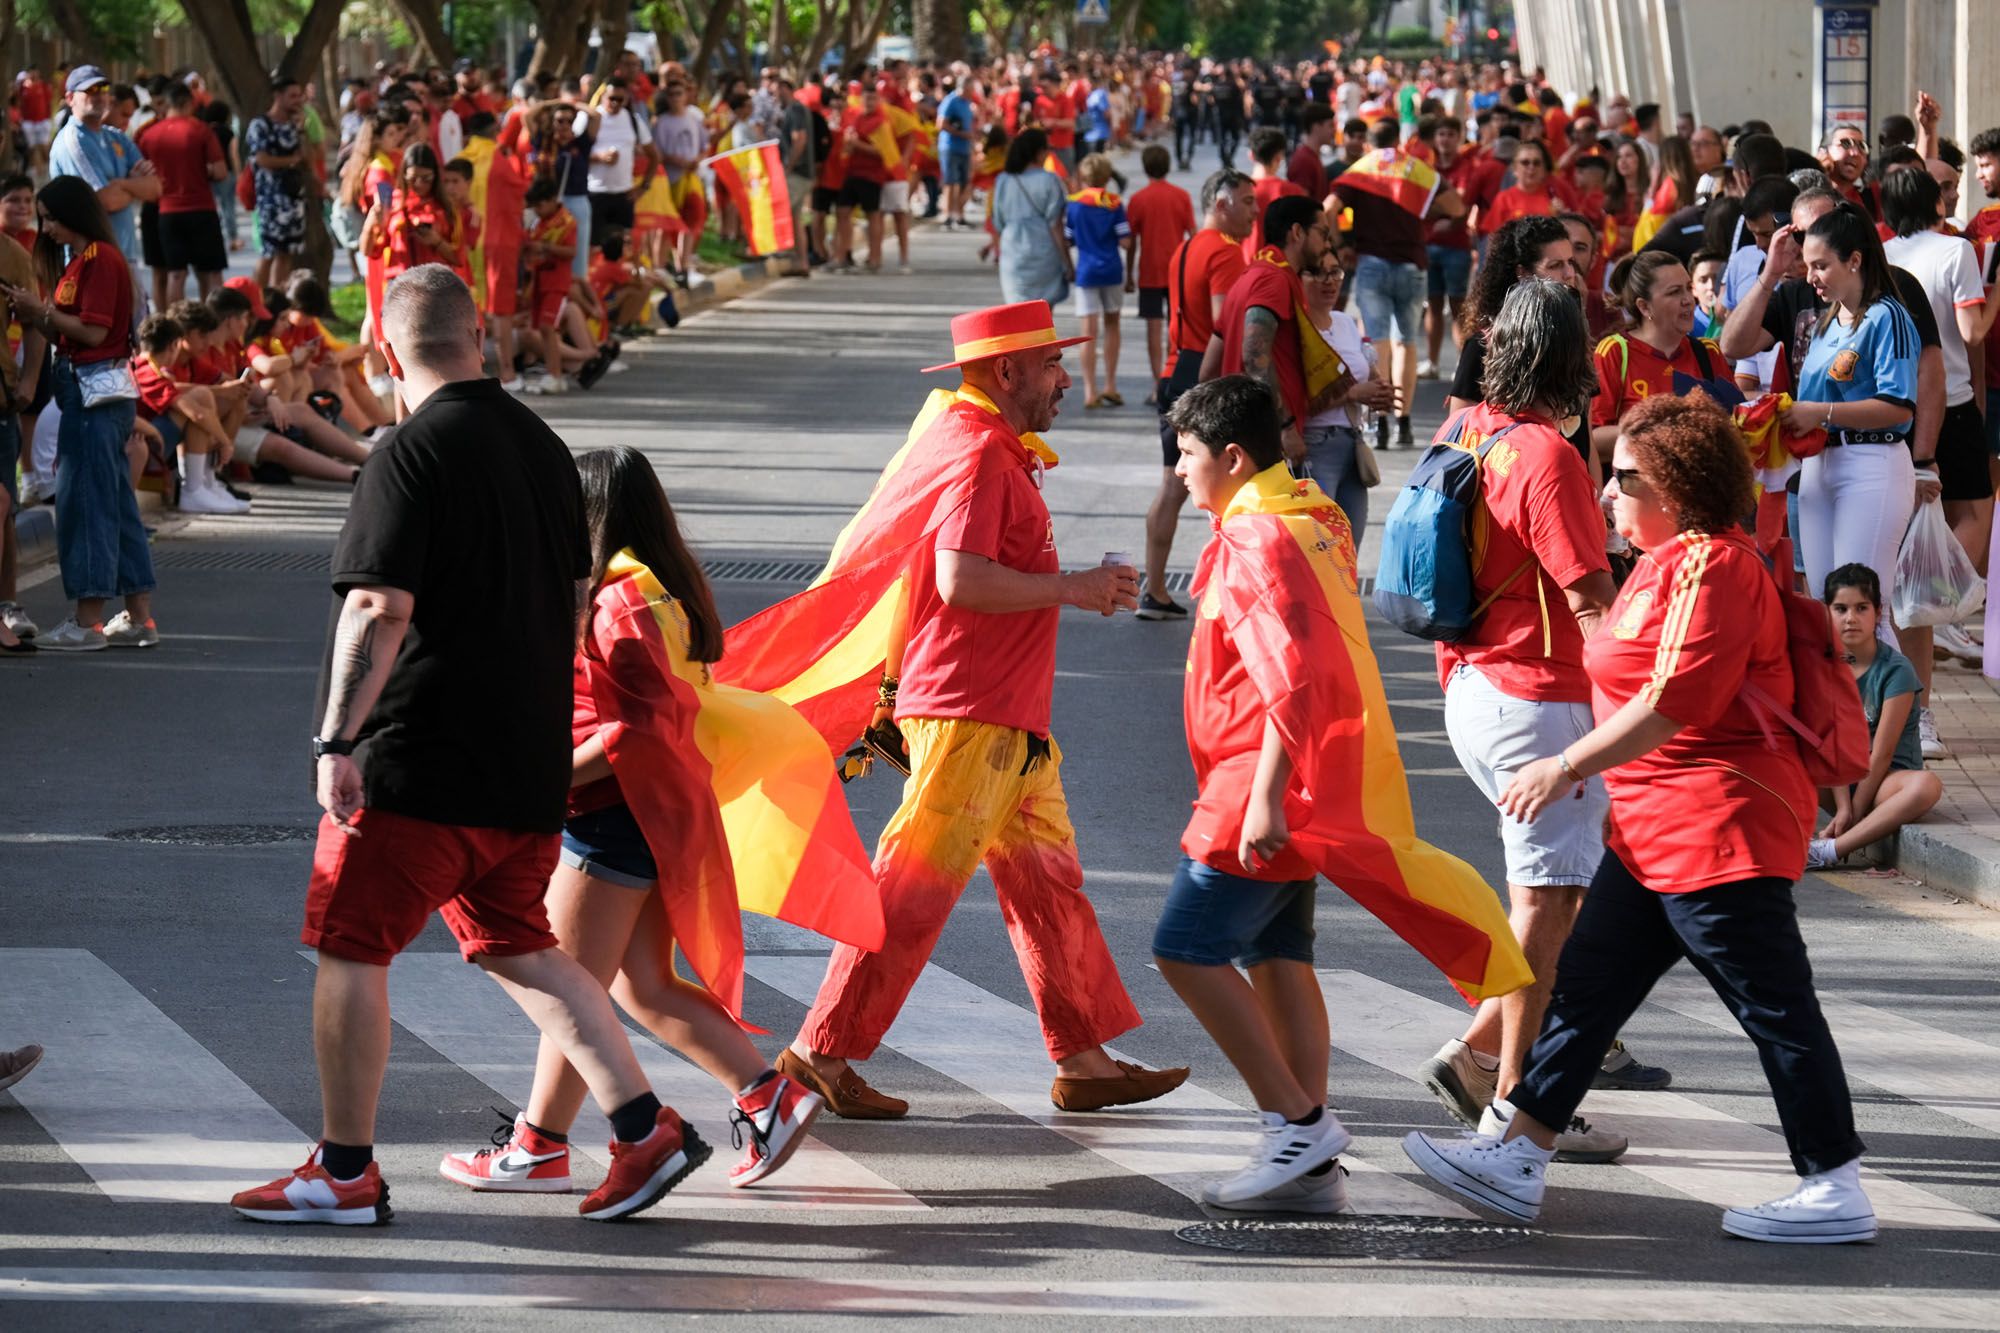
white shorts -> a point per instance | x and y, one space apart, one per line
1100 300
896 197
37 132
249 443
1494 735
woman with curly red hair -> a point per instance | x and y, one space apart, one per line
1708 829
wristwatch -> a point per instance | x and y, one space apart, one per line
322 748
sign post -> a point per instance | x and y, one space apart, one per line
1845 30
1092 13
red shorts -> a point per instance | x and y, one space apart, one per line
371 894
503 279
548 305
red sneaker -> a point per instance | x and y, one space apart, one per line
777 1113
519 1162
309 1194
642 1173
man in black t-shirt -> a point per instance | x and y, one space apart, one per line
443 757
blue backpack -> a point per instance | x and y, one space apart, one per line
1429 545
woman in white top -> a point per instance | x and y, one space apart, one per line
1333 440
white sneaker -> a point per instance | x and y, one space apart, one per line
1582 1142
1506 1177
1427 370
1457 1080
121 631
18 621
1955 641
1820 854
617 366
1927 736
1826 1209
1324 1193
70 637
209 498
1284 1152
514 385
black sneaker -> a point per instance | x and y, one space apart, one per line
1405 439
1381 433
593 370
1152 608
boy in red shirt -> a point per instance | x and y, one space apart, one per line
1161 216
465 218
184 413
547 252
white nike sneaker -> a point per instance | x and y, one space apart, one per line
519 1162
1506 1177
1284 1152
1826 1209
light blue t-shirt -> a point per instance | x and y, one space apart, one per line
954 124
1744 267
1097 114
1877 358
100 156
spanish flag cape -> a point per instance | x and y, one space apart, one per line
1280 572
823 650
479 152
882 134
1096 197
1404 180
733 790
1327 376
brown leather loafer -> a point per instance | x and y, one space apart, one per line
1132 1085
848 1096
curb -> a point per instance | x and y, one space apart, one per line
1948 857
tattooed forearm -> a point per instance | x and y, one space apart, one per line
366 639
1260 333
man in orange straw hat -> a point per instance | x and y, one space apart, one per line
937 615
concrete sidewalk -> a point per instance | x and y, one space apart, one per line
1956 848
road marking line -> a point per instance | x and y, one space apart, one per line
461 1014
134 1100
1183 1140
1372 1304
1678 1142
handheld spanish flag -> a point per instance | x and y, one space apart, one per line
1408 182
735 792
1774 457
1280 573
755 178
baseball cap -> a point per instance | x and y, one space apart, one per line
84 78
254 293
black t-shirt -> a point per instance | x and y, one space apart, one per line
1465 385
1792 315
474 507
1681 234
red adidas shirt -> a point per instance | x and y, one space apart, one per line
1983 231
976 665
157 391
1162 216
1204 267
1539 504
1273 288
97 289
1629 370
180 149
1719 802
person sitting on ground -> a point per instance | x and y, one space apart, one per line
340 369
624 288
263 412
1096 226
1898 790
184 414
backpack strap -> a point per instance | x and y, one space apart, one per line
1701 359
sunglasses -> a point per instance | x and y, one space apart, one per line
1327 274
1850 145
1625 477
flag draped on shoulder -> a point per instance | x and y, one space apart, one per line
1096 197
1406 181
1327 376
735 792
754 176
1281 571
822 650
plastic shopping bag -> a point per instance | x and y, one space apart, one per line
1935 581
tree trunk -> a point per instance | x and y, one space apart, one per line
8 16
425 20
713 28
559 46
778 38
825 24
939 30
612 25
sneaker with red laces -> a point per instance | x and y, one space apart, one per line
309 1194
519 1162
642 1173
774 1116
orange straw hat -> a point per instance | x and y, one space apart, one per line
1001 329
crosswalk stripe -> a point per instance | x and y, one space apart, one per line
1183 1140
1952 1075
1677 1141
462 1015
135 1101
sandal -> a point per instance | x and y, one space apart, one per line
1113 399
1096 402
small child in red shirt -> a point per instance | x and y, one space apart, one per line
546 253
183 413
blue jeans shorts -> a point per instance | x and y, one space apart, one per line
607 844
1390 295
957 167
1213 918
1450 272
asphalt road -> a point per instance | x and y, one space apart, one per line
167 981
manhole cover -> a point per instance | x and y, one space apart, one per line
1357 1236
217 835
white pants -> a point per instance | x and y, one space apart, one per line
1854 503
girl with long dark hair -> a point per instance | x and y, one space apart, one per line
1028 208
100 541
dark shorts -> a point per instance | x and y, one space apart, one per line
371 895
192 241
608 210
861 194
825 199
10 461
45 383
1450 271
957 167
1152 303
149 236
1214 919
608 844
1184 375
1962 455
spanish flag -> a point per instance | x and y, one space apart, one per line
755 178
1774 456
1406 181
878 130
736 793
823 650
1280 573
1327 376
1095 197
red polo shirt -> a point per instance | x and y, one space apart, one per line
1206 266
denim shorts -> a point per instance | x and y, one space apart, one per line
1494 735
1213 918
607 844
1389 294
957 167
1450 272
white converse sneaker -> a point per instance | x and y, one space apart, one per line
1927 735
1826 1209
1284 1152
1581 1143
1456 1079
1506 1177
1323 1193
